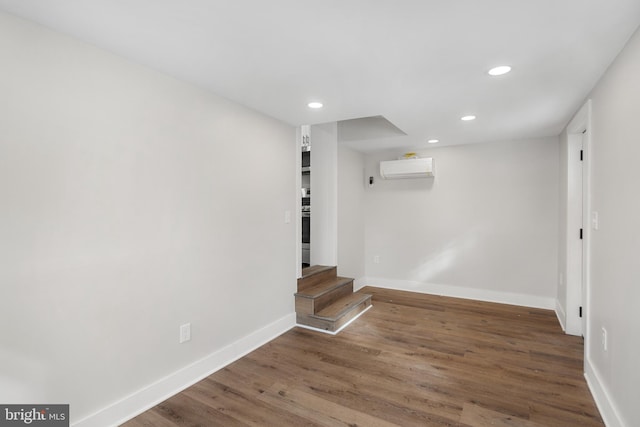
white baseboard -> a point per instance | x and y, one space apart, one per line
561 315
461 292
166 387
608 411
359 283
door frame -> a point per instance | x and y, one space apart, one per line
580 130
300 132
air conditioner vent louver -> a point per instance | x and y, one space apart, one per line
407 168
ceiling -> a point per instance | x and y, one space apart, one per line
420 64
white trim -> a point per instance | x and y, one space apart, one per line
148 397
298 213
582 122
525 300
560 314
586 248
359 283
341 327
610 415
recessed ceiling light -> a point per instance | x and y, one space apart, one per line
468 118
498 71
433 141
315 105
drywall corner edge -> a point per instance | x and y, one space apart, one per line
561 315
359 283
148 397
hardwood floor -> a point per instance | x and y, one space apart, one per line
412 360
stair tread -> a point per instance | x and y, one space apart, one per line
315 269
338 309
323 287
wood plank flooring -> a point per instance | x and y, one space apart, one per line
412 360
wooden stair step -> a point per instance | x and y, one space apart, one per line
324 287
336 315
317 297
315 269
311 276
326 301
339 308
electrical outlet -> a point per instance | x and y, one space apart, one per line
604 339
185 333
376 259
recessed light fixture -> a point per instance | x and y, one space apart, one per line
498 71
433 141
467 118
315 105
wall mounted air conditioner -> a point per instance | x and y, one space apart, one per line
407 168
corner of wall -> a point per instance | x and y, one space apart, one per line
561 315
360 283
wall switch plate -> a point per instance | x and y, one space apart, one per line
376 259
605 345
185 333
287 217
594 220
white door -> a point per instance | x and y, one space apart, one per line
575 234
585 222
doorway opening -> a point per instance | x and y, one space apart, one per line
305 177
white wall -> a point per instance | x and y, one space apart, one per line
615 247
130 203
485 227
324 194
351 213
